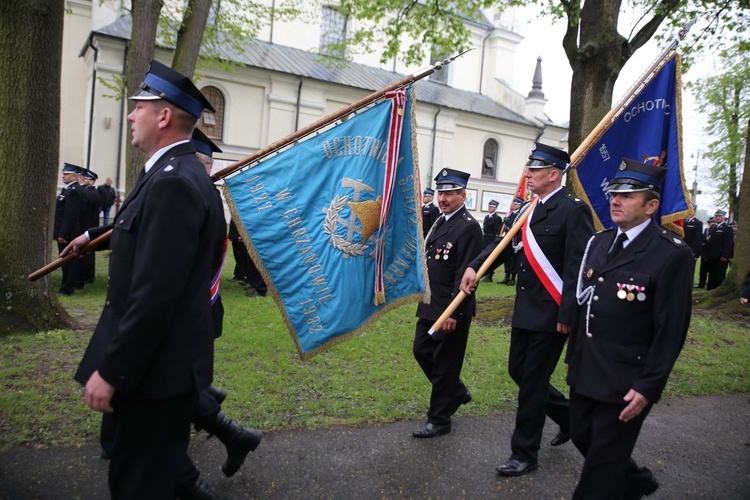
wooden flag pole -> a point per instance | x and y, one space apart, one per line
271 148
631 94
484 267
64 260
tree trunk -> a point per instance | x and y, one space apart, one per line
741 260
30 66
596 64
140 52
597 52
190 36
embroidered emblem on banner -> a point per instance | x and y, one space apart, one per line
363 221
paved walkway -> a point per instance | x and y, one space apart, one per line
697 448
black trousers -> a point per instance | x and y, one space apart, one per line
150 445
69 273
606 443
205 408
241 258
717 273
441 357
703 272
531 362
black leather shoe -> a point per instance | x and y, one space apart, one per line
486 279
218 394
199 490
431 430
643 489
511 283
461 401
561 438
515 467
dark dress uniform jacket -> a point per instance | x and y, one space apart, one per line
68 209
694 235
633 344
720 242
491 227
460 239
562 226
155 335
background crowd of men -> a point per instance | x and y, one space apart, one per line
76 209
712 246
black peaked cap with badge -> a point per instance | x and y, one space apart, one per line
203 144
543 156
633 176
69 168
162 82
450 179
89 174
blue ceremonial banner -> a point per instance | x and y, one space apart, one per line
314 214
649 130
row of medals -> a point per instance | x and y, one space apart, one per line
448 246
630 294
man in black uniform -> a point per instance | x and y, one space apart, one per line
430 212
545 310
512 261
454 240
207 414
89 218
491 226
635 288
703 268
68 209
718 250
693 228
152 351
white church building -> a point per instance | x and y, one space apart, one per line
468 115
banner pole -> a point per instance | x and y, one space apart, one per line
484 267
271 148
631 94
331 118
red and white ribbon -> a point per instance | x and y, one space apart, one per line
539 262
398 106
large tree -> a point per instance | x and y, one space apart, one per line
724 98
30 67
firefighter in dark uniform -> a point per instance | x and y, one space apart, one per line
430 212
152 350
491 226
635 293
693 228
68 209
545 309
512 262
207 413
718 250
89 218
453 241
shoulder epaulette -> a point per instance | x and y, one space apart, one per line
671 237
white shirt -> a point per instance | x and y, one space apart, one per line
155 157
633 232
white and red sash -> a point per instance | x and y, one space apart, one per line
539 262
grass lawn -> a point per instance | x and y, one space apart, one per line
372 378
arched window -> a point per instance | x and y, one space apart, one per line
489 159
212 124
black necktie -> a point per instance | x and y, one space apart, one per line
618 246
